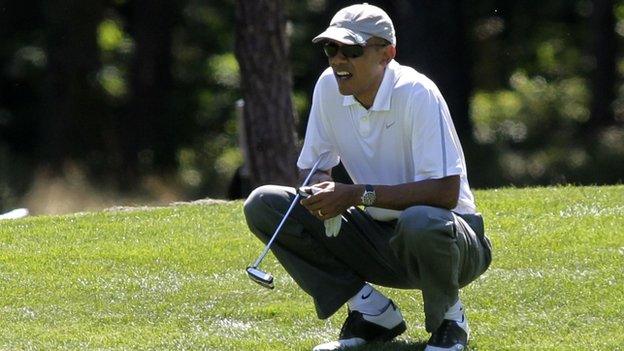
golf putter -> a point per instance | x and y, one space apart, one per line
263 278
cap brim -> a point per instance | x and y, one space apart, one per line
342 35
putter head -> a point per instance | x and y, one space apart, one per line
260 277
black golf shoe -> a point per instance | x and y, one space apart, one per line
450 336
361 328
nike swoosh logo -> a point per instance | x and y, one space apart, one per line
388 125
364 297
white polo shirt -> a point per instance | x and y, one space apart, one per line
407 135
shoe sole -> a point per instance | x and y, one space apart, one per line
385 337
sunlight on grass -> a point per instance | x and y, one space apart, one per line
173 279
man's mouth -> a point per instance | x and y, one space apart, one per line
342 75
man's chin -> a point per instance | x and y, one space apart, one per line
344 91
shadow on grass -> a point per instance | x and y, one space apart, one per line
396 345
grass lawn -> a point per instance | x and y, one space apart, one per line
173 279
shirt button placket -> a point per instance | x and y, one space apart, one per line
365 124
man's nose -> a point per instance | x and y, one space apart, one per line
338 58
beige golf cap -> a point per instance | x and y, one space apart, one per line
357 23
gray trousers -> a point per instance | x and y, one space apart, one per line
427 248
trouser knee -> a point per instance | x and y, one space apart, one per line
261 205
253 203
424 228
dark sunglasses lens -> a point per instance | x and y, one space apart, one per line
352 51
330 49
349 51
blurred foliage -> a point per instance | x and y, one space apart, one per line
530 105
536 124
533 125
206 75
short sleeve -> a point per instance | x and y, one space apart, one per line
317 141
435 147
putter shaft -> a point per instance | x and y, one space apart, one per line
279 227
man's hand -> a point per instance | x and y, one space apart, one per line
331 199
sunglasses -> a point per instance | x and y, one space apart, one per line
349 51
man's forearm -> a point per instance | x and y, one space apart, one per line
442 192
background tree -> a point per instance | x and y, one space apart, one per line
149 141
432 37
603 75
74 114
262 53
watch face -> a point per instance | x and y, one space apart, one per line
368 198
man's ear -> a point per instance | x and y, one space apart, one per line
388 54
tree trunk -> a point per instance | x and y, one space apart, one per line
603 76
262 53
148 133
71 125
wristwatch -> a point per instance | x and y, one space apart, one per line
368 198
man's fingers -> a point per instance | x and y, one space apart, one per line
321 203
322 215
305 192
322 185
313 207
312 200
318 207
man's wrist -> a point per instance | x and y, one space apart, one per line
356 194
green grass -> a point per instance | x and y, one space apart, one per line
173 279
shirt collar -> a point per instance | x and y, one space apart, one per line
384 93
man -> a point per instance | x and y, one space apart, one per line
419 229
